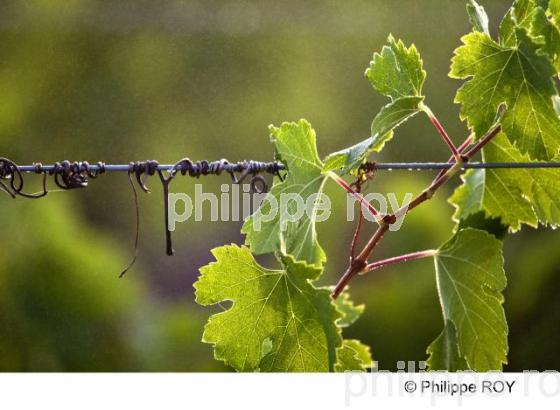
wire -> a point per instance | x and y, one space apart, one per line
228 167
382 166
417 166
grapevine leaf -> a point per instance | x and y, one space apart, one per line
353 356
279 320
390 117
470 279
520 15
520 77
349 311
549 31
515 196
497 195
540 186
444 351
496 192
397 71
554 9
269 230
478 17
533 16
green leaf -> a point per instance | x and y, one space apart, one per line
444 351
516 196
470 279
478 17
349 311
397 71
390 117
295 145
548 31
496 192
279 320
353 356
540 19
541 186
519 77
520 15
554 9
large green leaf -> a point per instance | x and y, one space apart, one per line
470 279
397 73
516 196
518 76
353 355
279 320
295 145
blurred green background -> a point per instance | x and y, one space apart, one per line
133 80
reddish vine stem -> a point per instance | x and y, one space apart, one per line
359 264
462 148
357 229
397 259
441 131
361 200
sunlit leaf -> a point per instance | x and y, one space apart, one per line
470 278
516 196
397 73
353 356
295 145
349 310
279 320
518 76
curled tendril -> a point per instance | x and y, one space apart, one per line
72 175
10 171
67 175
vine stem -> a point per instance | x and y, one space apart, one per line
359 264
462 148
358 228
363 202
397 259
441 131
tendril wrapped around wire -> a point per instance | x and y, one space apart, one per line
72 175
238 172
67 175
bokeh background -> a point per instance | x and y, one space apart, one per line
127 80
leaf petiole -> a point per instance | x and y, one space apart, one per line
441 131
398 259
362 201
